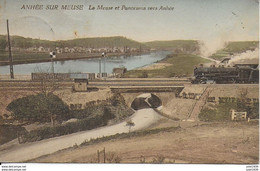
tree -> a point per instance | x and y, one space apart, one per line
49 82
130 123
107 114
40 107
117 99
255 111
241 101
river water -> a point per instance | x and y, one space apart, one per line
89 65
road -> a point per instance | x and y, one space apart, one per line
24 152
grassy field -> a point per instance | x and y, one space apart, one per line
220 143
181 65
220 54
172 44
239 47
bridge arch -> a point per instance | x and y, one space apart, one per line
146 100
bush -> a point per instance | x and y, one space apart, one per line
89 111
254 112
9 132
158 159
49 132
40 107
114 107
117 99
143 75
130 135
93 116
112 157
220 113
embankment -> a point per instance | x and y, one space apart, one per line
141 119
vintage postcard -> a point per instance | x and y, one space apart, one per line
117 81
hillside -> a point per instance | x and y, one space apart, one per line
173 65
172 44
120 41
234 48
241 46
22 42
97 42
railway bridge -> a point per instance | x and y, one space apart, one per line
130 88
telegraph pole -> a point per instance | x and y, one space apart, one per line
52 66
10 54
105 64
52 55
100 68
104 56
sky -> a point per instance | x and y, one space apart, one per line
208 20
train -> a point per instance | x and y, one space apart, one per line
240 73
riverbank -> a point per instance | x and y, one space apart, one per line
65 57
173 65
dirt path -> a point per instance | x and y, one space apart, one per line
23 152
224 143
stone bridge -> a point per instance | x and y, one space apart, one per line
163 96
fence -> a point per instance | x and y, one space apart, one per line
50 76
238 115
99 153
63 76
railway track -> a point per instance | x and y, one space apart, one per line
27 85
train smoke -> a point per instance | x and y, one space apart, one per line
246 57
209 47
221 35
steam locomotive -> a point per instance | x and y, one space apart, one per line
239 73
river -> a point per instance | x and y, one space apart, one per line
89 65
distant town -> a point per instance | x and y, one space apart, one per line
79 49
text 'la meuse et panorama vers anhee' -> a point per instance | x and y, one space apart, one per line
91 7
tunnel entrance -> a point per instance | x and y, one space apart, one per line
147 100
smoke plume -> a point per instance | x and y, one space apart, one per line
245 57
209 47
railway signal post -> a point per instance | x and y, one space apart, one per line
52 55
10 54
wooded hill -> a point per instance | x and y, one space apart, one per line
97 42
119 41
